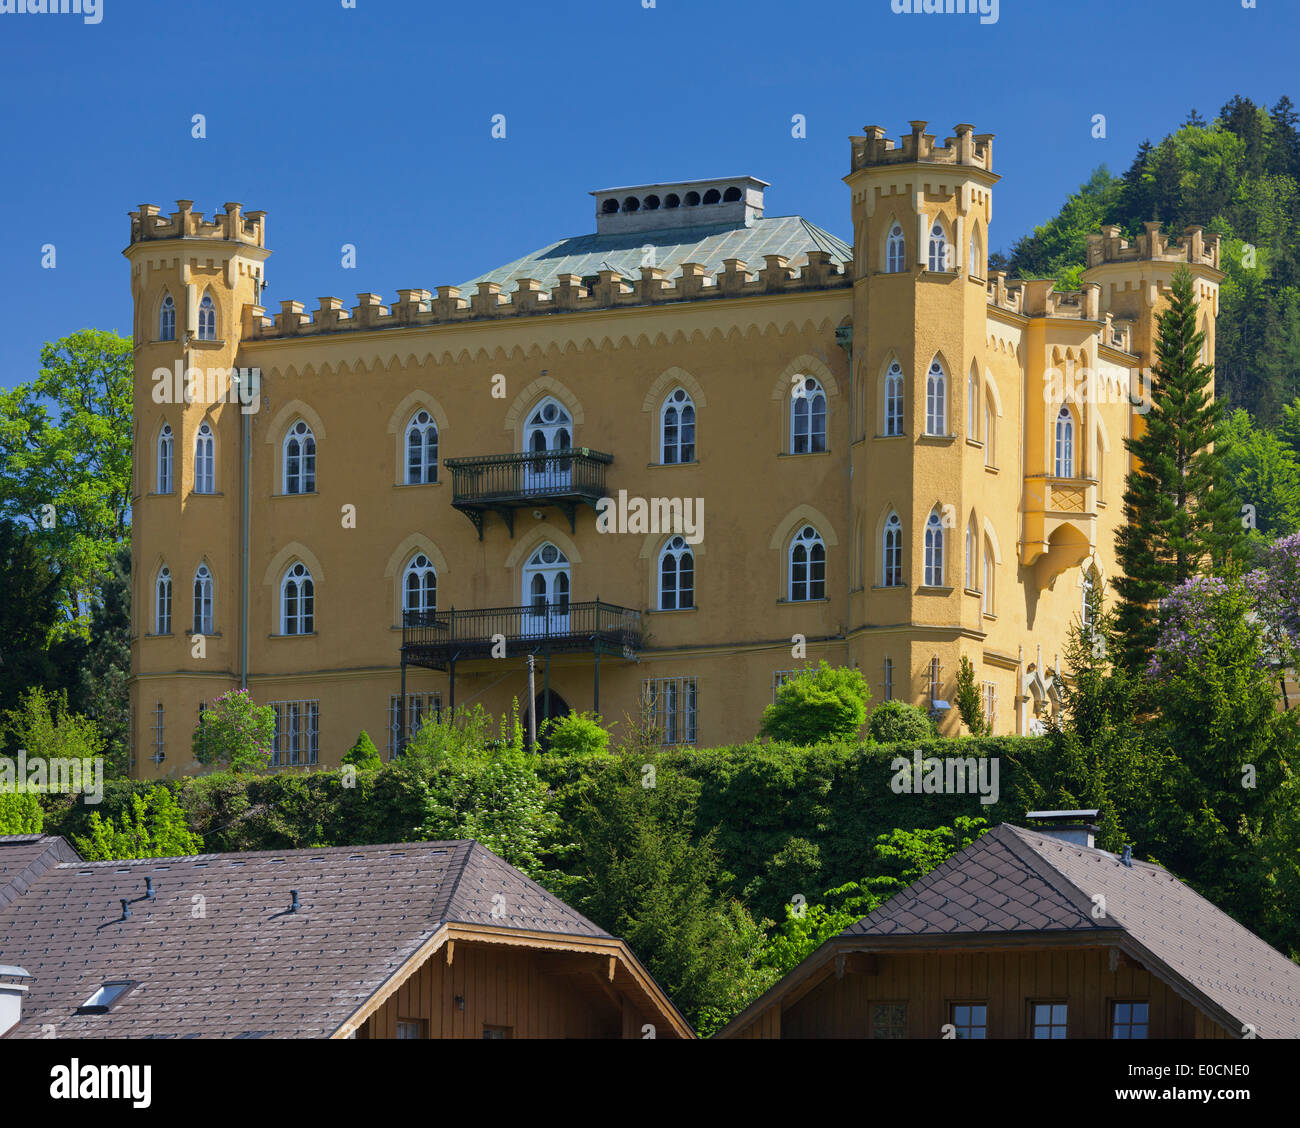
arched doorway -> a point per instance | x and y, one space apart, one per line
546 593
549 705
549 427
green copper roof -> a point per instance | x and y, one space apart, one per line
585 255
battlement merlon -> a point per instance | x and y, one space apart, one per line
1194 247
967 148
232 225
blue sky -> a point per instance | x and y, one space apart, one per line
372 125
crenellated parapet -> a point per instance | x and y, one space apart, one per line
1041 298
965 148
232 225
1194 247
606 290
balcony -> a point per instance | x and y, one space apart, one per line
437 640
1060 521
502 483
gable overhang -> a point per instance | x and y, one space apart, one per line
623 970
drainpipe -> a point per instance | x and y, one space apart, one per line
844 338
246 439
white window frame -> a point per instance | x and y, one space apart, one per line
1064 445
166 482
891 552
936 400
673 704
167 319
303 619
162 605
934 551
207 319
894 400
426 601
808 416
421 464
420 707
896 250
299 476
296 742
203 600
939 253
808 541
205 460
680 596
677 428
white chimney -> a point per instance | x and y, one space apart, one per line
1075 827
14 982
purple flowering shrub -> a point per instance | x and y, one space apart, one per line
1275 589
1196 620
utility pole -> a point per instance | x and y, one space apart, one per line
532 708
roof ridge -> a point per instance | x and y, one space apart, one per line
1038 862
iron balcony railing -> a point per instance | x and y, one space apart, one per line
435 638
531 476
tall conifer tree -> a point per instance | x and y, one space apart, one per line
1178 516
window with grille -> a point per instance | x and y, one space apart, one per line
420 707
989 694
1129 1020
158 733
889 679
779 678
297 733
889 1020
1048 1020
934 679
970 1019
671 702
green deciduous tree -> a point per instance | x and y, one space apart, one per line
155 827
1264 475
20 812
45 727
236 733
575 734
826 703
899 722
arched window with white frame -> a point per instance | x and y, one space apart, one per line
807 566
894 400
207 319
297 601
934 546
203 600
973 404
420 586
167 319
299 459
896 251
166 460
421 449
940 256
936 400
972 556
162 605
677 428
891 552
990 430
676 576
205 460
990 578
807 416
975 264
1065 443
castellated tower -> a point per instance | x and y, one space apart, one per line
921 215
195 284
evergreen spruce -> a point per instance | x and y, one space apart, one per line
1175 519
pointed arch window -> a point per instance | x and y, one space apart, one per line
297 601
207 319
973 405
934 551
1089 585
205 460
166 459
676 576
162 606
677 428
891 550
972 556
894 400
939 253
975 264
420 586
936 400
807 566
1064 444
421 450
167 319
807 417
299 459
895 251
203 600
990 578
990 430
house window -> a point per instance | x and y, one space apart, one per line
167 320
671 704
892 552
973 406
896 251
420 707
297 733
412 1028
990 431
420 586
162 616
106 996
894 400
989 695
158 756
990 578
205 464
166 451
940 256
807 417
1129 1020
1065 444
889 1020
934 679
676 576
934 551
207 319
677 428
497 1033
779 678
297 601
889 679
807 566
971 556
936 401
421 450
299 460
1048 1020
1089 586
970 1019
203 600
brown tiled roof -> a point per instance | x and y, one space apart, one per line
218 954
1011 880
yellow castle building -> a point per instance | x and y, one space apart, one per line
673 460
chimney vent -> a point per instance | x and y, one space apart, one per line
1076 827
14 983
